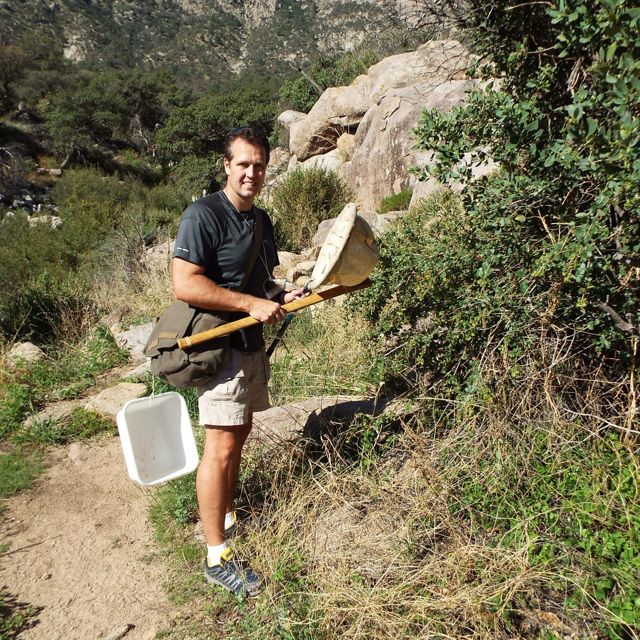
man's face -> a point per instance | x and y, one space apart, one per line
245 173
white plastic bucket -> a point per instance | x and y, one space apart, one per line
157 438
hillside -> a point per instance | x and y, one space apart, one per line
210 37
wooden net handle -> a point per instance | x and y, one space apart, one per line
248 321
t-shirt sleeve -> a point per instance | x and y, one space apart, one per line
194 243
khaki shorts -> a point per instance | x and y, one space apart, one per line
237 390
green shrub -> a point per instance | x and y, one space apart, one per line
423 288
558 225
44 310
301 201
74 368
397 202
200 129
79 425
192 175
15 405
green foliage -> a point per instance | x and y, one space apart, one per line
200 128
65 374
75 368
47 274
397 202
14 408
79 425
15 616
193 175
41 309
581 510
18 470
12 68
426 310
560 218
107 107
303 199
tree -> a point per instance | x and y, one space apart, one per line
200 129
108 109
12 69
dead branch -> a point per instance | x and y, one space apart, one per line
621 324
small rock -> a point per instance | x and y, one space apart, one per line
24 351
46 576
120 632
110 401
74 453
134 341
57 412
301 269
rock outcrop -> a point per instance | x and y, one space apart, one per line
340 109
384 149
364 132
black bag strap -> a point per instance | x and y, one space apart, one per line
255 249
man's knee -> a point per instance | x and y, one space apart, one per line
223 443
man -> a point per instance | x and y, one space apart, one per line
213 245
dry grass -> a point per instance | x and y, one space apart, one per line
429 521
324 352
397 548
135 291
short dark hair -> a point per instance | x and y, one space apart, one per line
250 134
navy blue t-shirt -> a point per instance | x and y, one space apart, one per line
213 234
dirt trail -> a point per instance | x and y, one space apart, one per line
81 548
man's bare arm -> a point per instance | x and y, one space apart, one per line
191 286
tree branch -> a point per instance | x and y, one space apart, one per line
621 324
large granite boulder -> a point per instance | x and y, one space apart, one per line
340 109
436 61
384 144
109 401
288 117
134 341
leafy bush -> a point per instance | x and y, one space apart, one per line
422 292
304 198
558 225
200 129
192 175
15 405
397 202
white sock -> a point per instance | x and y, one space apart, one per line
215 552
229 519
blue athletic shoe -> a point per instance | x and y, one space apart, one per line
233 574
